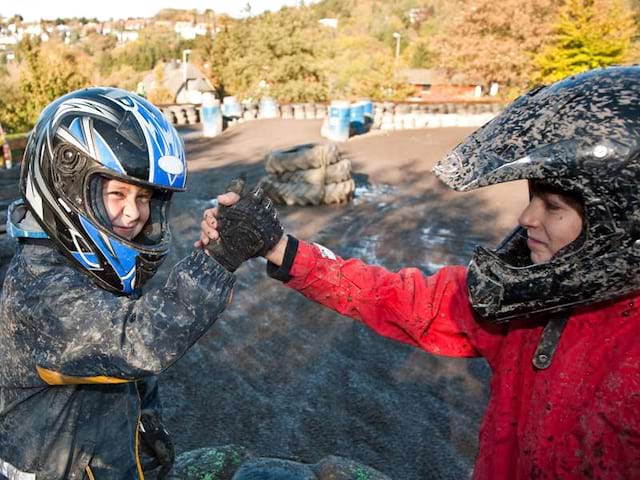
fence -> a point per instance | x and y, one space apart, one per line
386 116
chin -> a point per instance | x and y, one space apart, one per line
539 258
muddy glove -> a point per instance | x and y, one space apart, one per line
247 229
157 444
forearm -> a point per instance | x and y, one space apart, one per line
405 305
276 255
349 287
92 333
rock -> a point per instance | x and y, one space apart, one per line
216 463
339 468
274 469
232 462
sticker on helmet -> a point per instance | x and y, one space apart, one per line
171 164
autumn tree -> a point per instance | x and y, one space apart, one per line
588 34
362 67
47 72
494 41
159 94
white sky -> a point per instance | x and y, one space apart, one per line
32 10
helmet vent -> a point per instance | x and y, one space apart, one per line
130 130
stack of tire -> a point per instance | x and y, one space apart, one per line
310 174
191 112
180 114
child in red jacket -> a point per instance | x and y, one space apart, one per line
554 309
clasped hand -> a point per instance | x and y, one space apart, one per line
244 225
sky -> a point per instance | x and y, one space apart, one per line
32 10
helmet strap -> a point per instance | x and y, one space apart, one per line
549 340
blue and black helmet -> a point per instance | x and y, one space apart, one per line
81 139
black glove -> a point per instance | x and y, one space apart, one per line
249 228
157 444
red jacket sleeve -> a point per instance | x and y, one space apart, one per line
432 313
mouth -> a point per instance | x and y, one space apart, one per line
532 242
123 231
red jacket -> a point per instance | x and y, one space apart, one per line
580 418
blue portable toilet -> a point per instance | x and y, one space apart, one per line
357 118
211 115
268 108
338 122
231 108
368 108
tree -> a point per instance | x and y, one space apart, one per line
362 67
48 71
588 34
154 45
281 50
159 94
491 41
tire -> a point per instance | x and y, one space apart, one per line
315 176
301 157
286 111
334 173
339 192
169 115
338 172
292 193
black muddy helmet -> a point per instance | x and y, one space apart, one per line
81 139
580 135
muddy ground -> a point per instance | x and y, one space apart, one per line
286 378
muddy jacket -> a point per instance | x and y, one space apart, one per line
70 353
579 418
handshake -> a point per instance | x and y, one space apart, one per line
244 225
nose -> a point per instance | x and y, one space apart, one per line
130 209
531 216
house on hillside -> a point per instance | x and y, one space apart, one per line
184 81
434 85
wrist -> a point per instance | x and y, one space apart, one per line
276 254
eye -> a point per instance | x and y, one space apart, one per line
552 205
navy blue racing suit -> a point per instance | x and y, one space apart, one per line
70 356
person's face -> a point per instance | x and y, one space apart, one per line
552 221
127 206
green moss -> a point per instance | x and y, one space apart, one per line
362 474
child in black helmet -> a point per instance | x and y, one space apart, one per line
554 309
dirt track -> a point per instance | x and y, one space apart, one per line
287 378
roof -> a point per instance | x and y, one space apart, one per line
436 76
174 78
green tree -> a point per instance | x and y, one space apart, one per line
588 34
154 45
419 55
281 50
